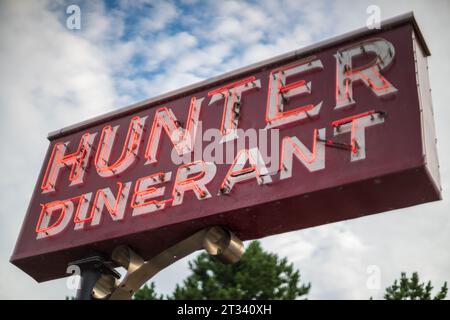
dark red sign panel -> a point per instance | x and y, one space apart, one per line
336 131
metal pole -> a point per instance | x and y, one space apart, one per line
91 269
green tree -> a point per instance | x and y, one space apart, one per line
147 292
258 275
412 289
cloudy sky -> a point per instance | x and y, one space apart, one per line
127 51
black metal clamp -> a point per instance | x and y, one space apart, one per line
91 269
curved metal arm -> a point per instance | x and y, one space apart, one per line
217 241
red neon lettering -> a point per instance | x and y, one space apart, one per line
369 74
103 198
129 151
313 160
279 92
144 191
45 207
78 162
356 126
65 207
182 139
238 173
232 96
193 177
351 119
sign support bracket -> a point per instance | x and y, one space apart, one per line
100 281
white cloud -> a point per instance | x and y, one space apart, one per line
161 13
49 78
